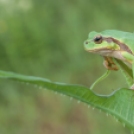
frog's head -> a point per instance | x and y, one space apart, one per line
101 44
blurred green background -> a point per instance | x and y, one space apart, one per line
45 38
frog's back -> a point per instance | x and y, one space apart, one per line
125 37
118 34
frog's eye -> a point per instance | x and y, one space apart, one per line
98 39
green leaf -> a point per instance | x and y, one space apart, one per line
120 103
126 71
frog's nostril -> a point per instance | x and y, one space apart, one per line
86 42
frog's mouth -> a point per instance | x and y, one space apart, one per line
109 53
103 51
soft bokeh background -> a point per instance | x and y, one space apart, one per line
45 38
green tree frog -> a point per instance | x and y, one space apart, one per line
117 49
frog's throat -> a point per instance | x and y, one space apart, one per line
123 46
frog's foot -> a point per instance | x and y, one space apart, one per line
109 64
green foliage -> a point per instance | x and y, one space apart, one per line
119 103
45 38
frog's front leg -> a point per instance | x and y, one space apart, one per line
129 58
109 64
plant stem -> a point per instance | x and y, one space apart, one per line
100 79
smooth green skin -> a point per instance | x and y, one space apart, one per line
124 37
